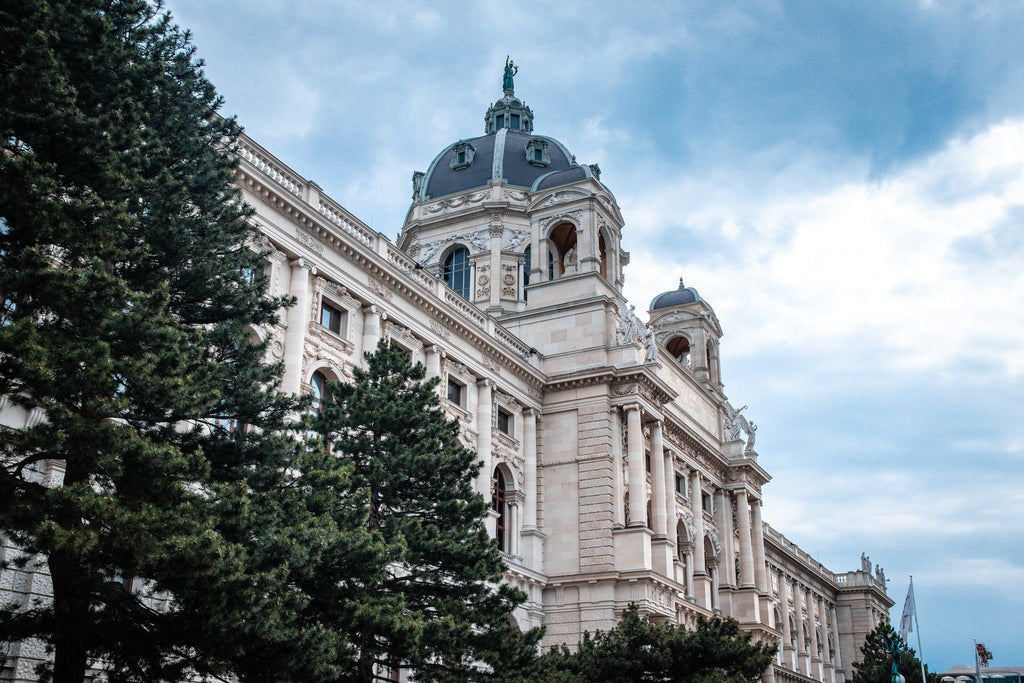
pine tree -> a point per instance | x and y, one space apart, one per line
424 592
129 299
875 664
640 650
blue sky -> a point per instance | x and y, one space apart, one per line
842 181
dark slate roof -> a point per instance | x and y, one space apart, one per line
556 178
678 297
510 146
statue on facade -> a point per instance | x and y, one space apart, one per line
650 344
865 563
751 430
627 328
510 71
569 261
733 424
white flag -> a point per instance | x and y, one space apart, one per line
909 612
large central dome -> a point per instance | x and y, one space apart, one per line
507 153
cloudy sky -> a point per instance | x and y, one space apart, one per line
842 181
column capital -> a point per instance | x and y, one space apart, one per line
485 383
303 262
630 407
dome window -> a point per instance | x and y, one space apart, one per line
537 152
462 155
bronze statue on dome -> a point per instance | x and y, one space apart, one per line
510 71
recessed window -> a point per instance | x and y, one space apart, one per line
537 152
707 504
462 155
515 122
681 485
505 423
456 271
498 503
499 121
455 392
331 317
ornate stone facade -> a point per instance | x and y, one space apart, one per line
627 478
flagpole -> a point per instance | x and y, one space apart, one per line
917 623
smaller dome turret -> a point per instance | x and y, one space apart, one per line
676 297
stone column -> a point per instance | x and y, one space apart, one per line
787 633
530 468
660 522
723 520
699 572
532 539
433 355
801 594
298 322
760 576
670 495
618 504
815 659
746 548
837 661
714 588
637 473
373 317
688 559
496 230
483 441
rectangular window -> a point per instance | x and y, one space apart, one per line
504 422
330 317
454 392
681 485
499 122
708 507
538 154
515 122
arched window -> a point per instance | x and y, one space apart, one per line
527 265
498 502
604 255
679 347
321 395
456 271
320 392
563 239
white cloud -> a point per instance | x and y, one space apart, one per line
875 267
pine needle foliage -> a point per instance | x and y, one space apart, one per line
131 298
426 593
637 649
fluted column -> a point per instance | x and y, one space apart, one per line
746 552
618 504
483 441
298 322
637 476
660 521
757 530
530 468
